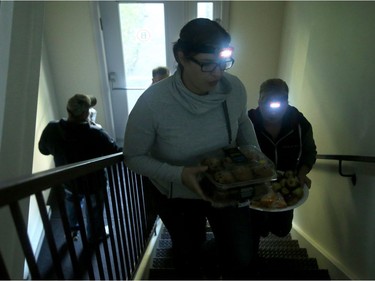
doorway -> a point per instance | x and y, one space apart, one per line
139 36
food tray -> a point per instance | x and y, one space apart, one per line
302 200
238 168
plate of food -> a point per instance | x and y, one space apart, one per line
238 167
286 193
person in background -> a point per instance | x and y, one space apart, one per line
76 139
286 137
174 123
159 73
93 113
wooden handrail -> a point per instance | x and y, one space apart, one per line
128 212
352 158
22 187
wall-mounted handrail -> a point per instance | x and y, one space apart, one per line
352 158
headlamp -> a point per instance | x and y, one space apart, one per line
274 104
226 53
222 52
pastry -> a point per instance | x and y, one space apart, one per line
224 177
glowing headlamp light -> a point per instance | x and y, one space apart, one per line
226 53
274 104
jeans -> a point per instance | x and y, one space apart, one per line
94 220
185 219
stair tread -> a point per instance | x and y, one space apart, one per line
262 243
317 274
280 258
264 253
270 264
209 235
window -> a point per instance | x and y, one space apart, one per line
205 10
147 31
143 43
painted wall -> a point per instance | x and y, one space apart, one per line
76 55
327 58
256 31
22 54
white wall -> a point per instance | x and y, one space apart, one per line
46 111
20 104
329 61
327 57
74 46
255 28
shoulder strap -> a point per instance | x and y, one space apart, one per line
227 121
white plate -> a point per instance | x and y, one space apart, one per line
299 203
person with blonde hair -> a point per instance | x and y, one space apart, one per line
73 140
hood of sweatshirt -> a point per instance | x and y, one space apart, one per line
199 104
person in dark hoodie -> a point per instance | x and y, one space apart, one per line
77 139
286 137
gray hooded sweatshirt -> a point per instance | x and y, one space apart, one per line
170 127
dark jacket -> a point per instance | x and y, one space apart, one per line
295 145
70 142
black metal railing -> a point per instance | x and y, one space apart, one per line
352 158
126 211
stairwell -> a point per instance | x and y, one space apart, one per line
279 259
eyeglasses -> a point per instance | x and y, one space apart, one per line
211 66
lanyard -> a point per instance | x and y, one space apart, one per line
227 121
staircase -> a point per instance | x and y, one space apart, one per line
280 259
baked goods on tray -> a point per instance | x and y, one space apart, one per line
284 194
238 167
237 173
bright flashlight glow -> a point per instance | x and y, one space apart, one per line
275 104
226 53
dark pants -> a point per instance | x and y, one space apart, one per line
185 220
278 223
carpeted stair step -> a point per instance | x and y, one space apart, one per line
281 258
300 273
275 264
296 274
286 253
264 244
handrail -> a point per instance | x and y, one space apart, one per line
16 189
352 158
130 220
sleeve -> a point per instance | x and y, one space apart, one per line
43 145
108 144
140 135
309 151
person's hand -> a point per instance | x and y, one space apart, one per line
190 179
303 179
302 176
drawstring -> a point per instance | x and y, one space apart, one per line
227 121
300 145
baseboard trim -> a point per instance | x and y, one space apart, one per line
325 260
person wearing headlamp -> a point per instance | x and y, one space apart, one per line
285 137
197 110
